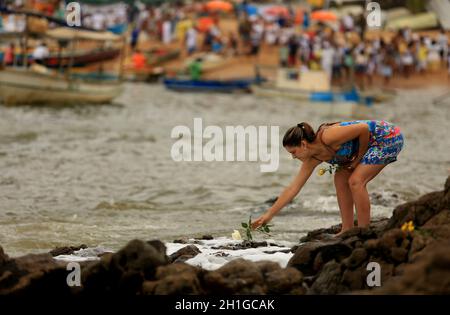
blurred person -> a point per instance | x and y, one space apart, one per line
360 67
195 69
359 150
338 59
191 40
283 56
9 56
98 21
422 53
442 41
293 45
407 62
327 59
166 31
40 52
386 67
135 37
233 44
139 60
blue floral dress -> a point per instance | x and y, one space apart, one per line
385 143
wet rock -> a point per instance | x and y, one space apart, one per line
429 275
305 255
357 257
399 254
329 280
421 210
33 275
174 279
321 234
354 279
284 281
243 245
184 254
205 237
3 257
236 277
125 270
181 241
66 250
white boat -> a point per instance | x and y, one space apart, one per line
25 86
313 88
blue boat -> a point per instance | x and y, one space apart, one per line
222 86
343 96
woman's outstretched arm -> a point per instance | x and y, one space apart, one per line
288 193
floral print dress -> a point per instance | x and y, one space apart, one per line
385 143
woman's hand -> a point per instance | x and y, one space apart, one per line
265 218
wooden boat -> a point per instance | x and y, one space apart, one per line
38 84
210 61
157 56
222 86
79 58
25 86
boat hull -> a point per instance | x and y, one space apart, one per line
26 87
329 103
226 86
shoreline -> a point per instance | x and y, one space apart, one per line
412 248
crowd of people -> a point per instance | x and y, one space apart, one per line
341 49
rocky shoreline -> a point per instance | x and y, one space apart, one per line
411 262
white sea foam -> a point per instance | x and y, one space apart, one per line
210 258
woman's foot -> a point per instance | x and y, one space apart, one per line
341 232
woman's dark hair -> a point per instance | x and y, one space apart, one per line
294 135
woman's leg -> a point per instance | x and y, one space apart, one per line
358 180
344 198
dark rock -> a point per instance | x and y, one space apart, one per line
3 257
205 237
125 270
184 254
236 277
284 281
354 279
357 257
66 250
329 280
321 234
243 245
429 275
304 257
174 279
421 210
33 275
181 241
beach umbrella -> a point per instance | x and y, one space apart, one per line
251 10
275 10
323 16
219 5
204 23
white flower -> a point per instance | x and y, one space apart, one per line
236 235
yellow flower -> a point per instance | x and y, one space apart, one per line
408 226
236 235
321 171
